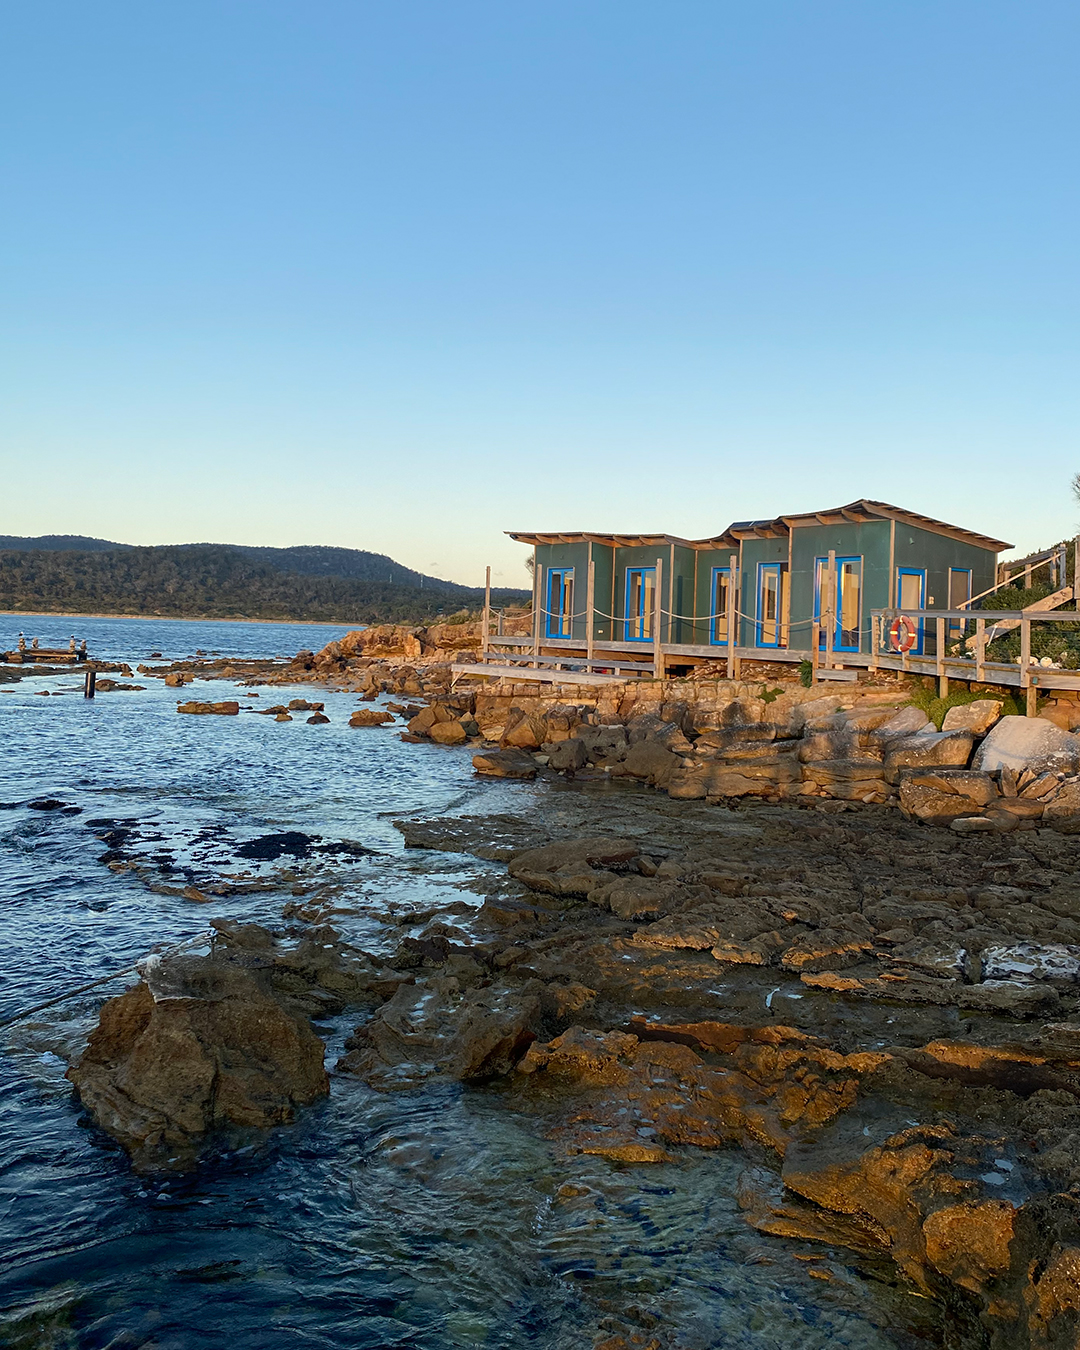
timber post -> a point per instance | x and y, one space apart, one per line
88 684
485 628
875 642
1025 660
939 643
590 606
815 650
658 622
830 616
980 650
538 579
731 612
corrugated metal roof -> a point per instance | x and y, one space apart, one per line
856 512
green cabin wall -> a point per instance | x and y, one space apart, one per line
566 555
869 540
755 551
705 560
936 553
687 577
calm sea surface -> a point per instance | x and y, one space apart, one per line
428 1219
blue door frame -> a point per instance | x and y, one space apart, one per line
919 572
721 579
819 571
639 619
769 573
559 621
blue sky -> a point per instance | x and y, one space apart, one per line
402 276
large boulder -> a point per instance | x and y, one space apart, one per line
504 764
1020 743
1063 810
370 717
927 802
649 761
225 709
921 751
567 756
523 731
908 721
195 1046
977 717
448 733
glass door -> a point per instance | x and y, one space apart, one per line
718 626
560 605
911 594
770 605
640 603
847 633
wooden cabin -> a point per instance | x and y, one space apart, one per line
775 584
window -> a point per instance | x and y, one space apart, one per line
848 605
721 579
640 603
770 605
560 602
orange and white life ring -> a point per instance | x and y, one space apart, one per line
903 633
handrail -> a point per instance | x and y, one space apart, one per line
992 616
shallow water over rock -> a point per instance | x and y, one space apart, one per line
439 1217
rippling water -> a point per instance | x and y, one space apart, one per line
435 1218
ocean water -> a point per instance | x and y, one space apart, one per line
435 1218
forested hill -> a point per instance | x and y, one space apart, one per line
222 581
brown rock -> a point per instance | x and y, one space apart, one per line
226 709
977 717
448 733
370 717
923 751
504 764
195 1046
931 804
434 1030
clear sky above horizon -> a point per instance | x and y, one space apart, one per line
404 276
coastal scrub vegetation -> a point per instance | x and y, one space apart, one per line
218 581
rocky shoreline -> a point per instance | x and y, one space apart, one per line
832 970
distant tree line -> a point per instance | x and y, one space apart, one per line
219 581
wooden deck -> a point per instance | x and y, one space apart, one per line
574 661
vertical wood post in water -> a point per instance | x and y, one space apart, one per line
486 627
590 606
658 622
731 615
88 684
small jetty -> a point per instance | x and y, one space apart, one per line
28 653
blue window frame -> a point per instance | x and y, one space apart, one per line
560 602
847 632
721 579
640 603
911 594
770 605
